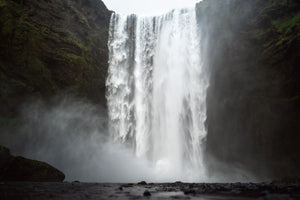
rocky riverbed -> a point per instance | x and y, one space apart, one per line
142 190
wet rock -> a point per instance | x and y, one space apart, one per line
235 83
147 193
276 197
5 158
189 192
142 183
23 169
265 193
236 191
127 185
73 182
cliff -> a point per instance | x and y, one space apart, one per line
49 46
253 111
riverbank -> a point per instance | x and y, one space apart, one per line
178 190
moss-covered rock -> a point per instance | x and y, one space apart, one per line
253 109
22 169
50 45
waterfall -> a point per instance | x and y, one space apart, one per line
156 91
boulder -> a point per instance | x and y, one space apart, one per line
22 169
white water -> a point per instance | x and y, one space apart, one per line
156 92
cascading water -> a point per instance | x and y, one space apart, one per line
156 91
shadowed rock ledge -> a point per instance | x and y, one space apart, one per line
22 169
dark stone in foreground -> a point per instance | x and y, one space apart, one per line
201 191
22 169
147 193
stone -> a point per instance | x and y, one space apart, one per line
142 183
22 169
147 193
5 157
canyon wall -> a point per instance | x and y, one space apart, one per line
50 46
254 95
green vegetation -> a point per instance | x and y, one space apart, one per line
255 79
43 52
286 25
258 34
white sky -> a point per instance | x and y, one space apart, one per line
147 7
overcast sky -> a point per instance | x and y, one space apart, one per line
147 7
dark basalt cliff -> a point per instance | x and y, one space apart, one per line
48 46
253 113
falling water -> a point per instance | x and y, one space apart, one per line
156 91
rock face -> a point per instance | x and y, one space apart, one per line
51 45
5 157
22 169
253 100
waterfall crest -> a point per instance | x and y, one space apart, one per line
156 91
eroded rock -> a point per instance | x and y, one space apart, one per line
22 169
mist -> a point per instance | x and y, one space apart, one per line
72 136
